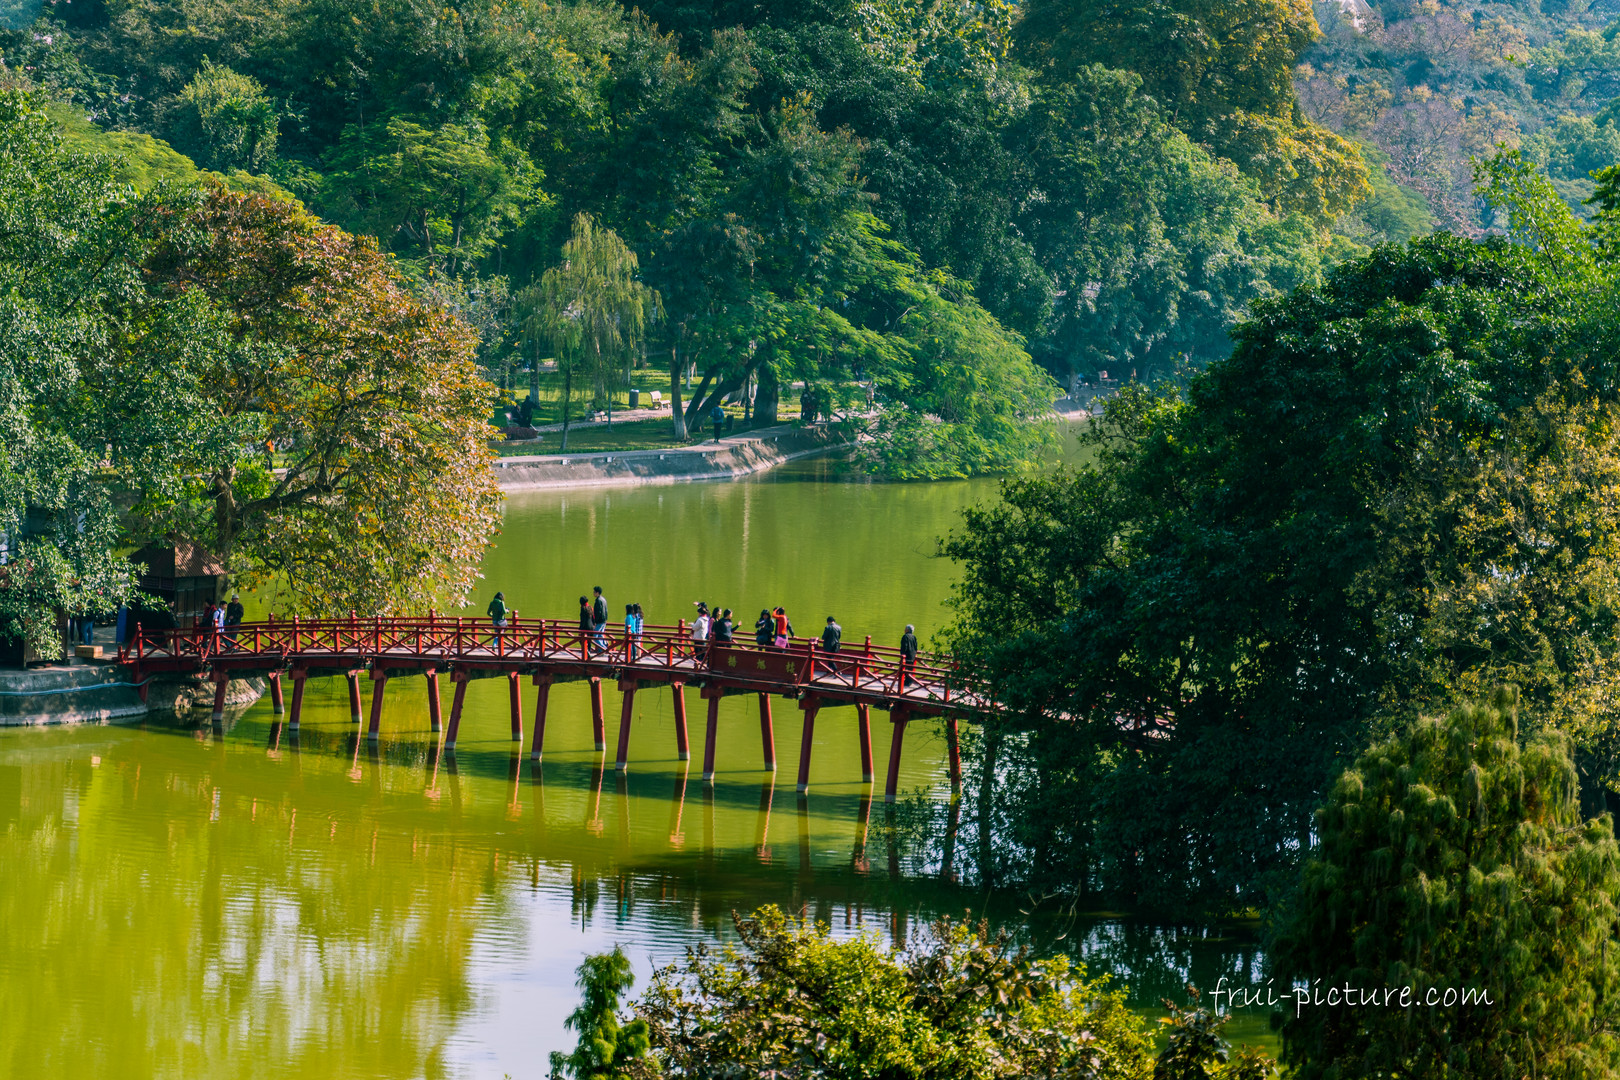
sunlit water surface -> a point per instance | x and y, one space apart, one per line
187 901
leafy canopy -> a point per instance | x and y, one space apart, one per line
1453 857
1399 488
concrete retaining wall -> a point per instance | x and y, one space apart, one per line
767 449
101 693
67 695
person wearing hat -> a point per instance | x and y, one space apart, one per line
700 625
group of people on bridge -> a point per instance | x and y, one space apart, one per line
712 625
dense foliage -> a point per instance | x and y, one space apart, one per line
956 1003
1453 859
243 375
607 1049
1400 487
1425 86
794 178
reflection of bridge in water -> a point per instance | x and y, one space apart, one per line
551 651
878 866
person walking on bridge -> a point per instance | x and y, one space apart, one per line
700 630
497 616
641 624
630 652
586 623
784 628
599 617
908 656
764 628
831 636
723 629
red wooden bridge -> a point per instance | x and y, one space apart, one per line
551 651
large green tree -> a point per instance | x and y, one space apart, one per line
247 377
356 471
71 240
1460 907
594 309
1398 488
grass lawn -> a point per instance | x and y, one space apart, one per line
550 408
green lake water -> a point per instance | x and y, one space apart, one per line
180 900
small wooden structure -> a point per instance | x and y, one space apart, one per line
184 576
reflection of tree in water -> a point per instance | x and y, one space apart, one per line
175 940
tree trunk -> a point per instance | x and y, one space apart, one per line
694 409
675 412
224 520
765 398
534 377
568 390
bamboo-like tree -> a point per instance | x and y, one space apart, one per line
593 308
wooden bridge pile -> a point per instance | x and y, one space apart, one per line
549 651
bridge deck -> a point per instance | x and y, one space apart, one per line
549 651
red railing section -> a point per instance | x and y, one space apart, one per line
863 671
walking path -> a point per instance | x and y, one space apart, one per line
548 651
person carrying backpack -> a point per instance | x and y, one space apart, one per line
497 615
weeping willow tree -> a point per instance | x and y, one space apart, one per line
592 309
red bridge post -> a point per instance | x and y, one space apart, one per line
811 705
542 698
514 695
899 717
767 733
434 705
460 679
682 750
863 727
298 677
598 725
222 679
713 694
627 687
379 679
274 679
354 695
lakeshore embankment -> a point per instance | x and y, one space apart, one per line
734 456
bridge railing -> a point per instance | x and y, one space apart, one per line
803 665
